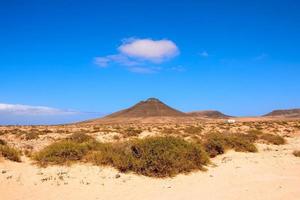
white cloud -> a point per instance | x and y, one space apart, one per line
137 54
148 49
18 109
204 54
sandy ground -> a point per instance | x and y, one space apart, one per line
273 173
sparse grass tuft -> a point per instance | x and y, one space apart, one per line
10 153
296 153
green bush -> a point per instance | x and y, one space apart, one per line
10 153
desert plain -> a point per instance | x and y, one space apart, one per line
273 172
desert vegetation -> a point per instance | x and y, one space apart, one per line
216 143
296 153
155 156
156 150
9 152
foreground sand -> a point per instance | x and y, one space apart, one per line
273 173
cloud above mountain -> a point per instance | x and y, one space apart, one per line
139 54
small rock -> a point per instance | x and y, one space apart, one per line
118 176
3 171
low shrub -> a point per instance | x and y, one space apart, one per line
155 156
2 142
80 137
217 143
131 132
10 153
296 153
61 153
166 156
31 135
273 139
193 129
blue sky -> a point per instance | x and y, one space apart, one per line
239 57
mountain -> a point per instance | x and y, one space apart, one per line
291 113
212 114
152 107
151 110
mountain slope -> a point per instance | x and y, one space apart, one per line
150 108
289 113
212 114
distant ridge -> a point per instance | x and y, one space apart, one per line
288 113
212 114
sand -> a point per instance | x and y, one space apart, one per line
273 173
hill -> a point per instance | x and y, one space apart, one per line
151 110
212 114
291 113
152 107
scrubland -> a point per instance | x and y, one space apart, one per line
160 151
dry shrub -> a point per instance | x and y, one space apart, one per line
254 135
193 129
170 131
61 152
273 139
296 153
166 156
2 142
73 148
10 153
80 137
131 132
217 143
32 135
155 156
